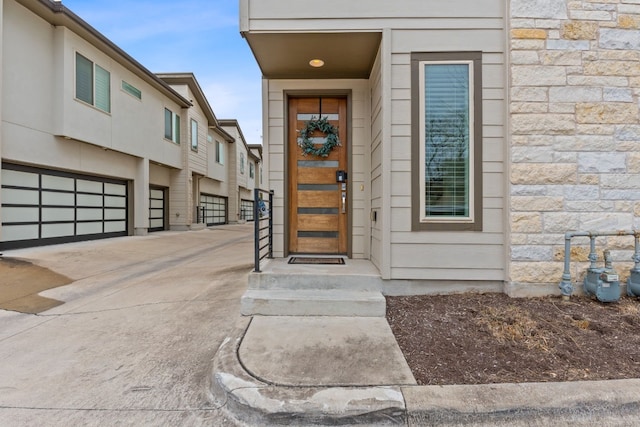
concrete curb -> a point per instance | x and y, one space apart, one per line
583 403
254 402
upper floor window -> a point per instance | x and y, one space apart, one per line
219 153
252 170
171 126
131 90
194 135
447 141
93 84
242 163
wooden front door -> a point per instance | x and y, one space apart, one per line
318 208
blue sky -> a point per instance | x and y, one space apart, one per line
199 36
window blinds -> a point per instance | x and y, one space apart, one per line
168 117
103 89
84 79
447 139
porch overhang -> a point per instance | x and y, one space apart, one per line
349 55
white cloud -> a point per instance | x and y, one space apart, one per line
238 99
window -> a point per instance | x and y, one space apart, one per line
171 126
93 84
242 163
194 135
131 90
252 170
219 153
446 141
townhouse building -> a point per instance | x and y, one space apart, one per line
247 171
93 144
473 135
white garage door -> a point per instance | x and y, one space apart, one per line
246 210
157 209
215 209
41 207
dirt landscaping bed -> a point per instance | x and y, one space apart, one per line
492 338
21 282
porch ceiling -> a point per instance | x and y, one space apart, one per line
287 55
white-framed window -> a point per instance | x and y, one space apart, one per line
447 141
252 170
93 83
242 163
171 126
219 153
194 135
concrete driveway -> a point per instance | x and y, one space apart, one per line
133 341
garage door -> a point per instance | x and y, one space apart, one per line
215 209
41 207
246 210
157 207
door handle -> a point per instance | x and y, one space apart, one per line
344 202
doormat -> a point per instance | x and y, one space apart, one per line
316 260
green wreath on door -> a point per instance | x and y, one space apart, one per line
331 137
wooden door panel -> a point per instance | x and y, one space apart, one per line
316 175
318 199
333 155
318 245
318 222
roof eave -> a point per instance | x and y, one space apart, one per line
190 80
59 15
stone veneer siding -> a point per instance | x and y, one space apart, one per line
575 134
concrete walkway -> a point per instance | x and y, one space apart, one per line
133 341
349 371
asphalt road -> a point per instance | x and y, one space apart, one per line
134 340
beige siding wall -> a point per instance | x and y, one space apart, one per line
375 160
231 163
274 151
455 256
407 26
300 15
215 170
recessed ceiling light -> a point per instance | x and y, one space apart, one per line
317 63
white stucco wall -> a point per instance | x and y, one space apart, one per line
45 126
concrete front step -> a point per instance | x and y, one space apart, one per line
295 280
315 302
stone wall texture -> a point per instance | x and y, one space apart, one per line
575 132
